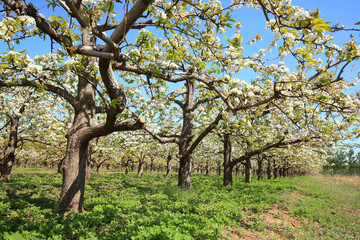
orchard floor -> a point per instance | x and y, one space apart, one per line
120 206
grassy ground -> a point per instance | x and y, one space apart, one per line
121 206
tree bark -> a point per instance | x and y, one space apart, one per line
99 168
259 170
7 158
248 170
184 176
168 165
77 151
74 173
228 166
141 165
208 169
152 165
127 165
269 169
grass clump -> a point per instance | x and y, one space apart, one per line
120 206
329 208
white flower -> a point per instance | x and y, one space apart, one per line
88 3
163 15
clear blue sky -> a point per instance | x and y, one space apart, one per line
345 12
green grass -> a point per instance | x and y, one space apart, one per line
329 208
122 206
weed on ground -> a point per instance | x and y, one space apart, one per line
120 206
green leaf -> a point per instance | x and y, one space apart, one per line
87 19
358 23
114 102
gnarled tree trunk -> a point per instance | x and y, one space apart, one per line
7 158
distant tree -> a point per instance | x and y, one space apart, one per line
343 162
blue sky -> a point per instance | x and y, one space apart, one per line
345 12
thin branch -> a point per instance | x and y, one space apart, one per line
161 139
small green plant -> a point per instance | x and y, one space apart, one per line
122 206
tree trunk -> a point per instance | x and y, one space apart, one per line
141 165
99 169
228 166
208 168
6 166
168 165
269 169
7 158
90 164
74 173
184 176
237 170
248 170
275 173
260 168
89 170
152 165
219 168
127 166
77 151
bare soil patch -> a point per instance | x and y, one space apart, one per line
278 222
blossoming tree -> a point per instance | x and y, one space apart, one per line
193 42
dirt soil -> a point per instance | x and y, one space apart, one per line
277 220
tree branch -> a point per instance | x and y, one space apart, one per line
202 135
161 139
21 8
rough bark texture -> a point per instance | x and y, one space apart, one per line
228 166
248 170
7 158
99 169
275 170
152 165
74 173
208 169
141 165
168 165
184 176
269 170
259 170
74 168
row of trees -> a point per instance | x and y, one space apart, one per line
176 65
343 162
